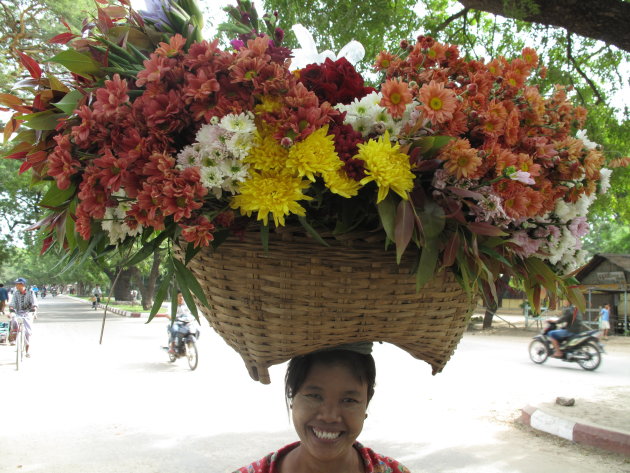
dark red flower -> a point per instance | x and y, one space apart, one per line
334 81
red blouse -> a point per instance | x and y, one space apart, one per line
374 463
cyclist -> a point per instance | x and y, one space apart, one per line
24 304
178 328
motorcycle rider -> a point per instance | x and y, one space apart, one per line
182 317
571 317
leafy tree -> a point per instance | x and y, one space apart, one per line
28 25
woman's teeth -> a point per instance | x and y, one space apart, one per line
320 434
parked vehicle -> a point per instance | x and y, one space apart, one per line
583 348
186 337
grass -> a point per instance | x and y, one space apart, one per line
130 308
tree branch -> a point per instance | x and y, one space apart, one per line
450 20
605 20
579 71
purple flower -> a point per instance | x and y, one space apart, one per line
528 245
237 44
554 232
155 13
579 227
522 176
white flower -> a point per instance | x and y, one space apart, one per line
209 134
307 54
241 123
604 183
240 144
189 156
581 135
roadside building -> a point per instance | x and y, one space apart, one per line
605 279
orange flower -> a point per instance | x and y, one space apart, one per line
174 47
396 96
530 57
383 60
460 159
438 103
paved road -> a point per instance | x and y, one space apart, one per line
81 407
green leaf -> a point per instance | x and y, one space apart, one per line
428 262
497 256
161 292
47 120
147 250
77 62
69 101
432 219
190 281
312 231
405 218
190 302
56 197
191 252
387 213
264 236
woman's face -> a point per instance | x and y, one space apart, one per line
328 412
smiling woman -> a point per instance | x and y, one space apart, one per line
328 393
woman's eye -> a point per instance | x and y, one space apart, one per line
350 400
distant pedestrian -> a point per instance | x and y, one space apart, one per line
96 296
604 321
4 297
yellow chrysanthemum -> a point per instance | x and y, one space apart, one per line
315 155
339 183
268 104
266 153
271 192
387 166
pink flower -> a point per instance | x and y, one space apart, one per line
528 246
579 227
522 176
61 165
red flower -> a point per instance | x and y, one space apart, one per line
335 82
200 233
61 165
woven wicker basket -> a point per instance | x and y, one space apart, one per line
300 296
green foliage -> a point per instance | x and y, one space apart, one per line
28 25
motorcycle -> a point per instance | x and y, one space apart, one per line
186 336
583 348
54 292
43 294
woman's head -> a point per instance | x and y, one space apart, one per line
361 366
329 392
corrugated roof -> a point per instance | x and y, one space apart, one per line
621 260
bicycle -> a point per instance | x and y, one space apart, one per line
20 342
20 339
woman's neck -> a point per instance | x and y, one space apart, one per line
299 461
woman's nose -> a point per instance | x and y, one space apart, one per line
329 412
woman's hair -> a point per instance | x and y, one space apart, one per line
361 366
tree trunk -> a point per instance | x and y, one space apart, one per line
487 317
147 290
122 288
605 20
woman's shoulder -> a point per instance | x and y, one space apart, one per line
269 463
376 463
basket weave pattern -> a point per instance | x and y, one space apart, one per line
300 296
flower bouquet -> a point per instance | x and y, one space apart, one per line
157 137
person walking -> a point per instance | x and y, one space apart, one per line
604 321
24 304
4 297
